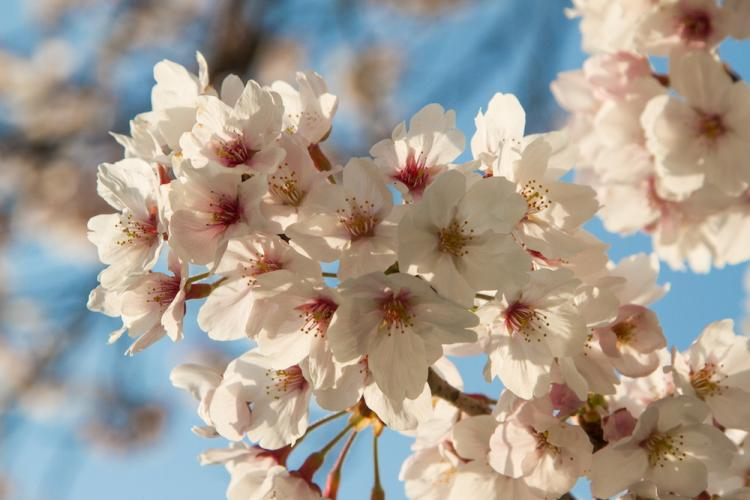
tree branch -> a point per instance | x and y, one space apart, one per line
469 404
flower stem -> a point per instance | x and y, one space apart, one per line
334 477
317 424
315 460
484 296
377 488
197 277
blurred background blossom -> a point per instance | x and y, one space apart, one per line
78 420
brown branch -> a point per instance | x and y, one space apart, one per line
469 404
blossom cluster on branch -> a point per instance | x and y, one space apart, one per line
669 154
233 190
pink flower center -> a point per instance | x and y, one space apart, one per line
225 211
359 221
695 26
396 309
414 175
233 152
285 381
317 315
285 188
135 231
524 320
263 264
454 238
164 291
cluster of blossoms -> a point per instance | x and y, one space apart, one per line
434 258
668 154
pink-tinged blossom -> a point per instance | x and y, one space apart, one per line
547 453
716 369
412 159
152 305
615 75
239 139
211 209
670 447
250 265
401 325
474 476
353 222
633 340
682 25
129 241
267 404
294 329
705 137
636 394
530 327
457 236
618 425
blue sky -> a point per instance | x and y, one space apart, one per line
460 62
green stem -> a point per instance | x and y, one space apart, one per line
484 296
317 424
197 277
315 460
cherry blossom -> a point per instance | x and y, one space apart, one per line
458 227
129 241
235 308
210 209
345 287
704 137
714 369
238 139
529 327
400 324
354 223
413 157
670 447
309 109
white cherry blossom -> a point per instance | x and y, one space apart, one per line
251 267
546 452
353 222
452 234
716 369
705 137
670 447
309 109
530 327
401 325
129 241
